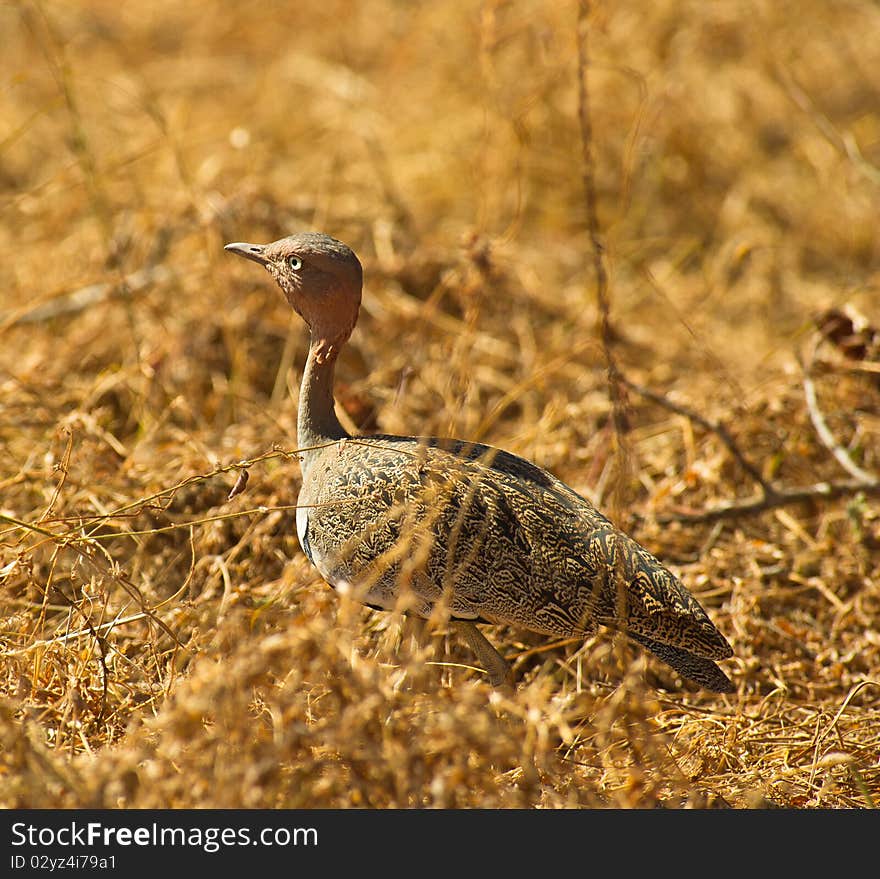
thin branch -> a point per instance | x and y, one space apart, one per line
616 390
827 437
781 497
845 144
110 569
85 297
716 427
589 184
770 497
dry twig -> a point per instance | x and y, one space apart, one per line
715 427
825 435
770 497
589 184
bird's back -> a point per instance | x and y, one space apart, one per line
499 539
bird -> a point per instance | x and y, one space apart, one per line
424 523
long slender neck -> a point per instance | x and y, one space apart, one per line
317 423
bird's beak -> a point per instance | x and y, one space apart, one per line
256 252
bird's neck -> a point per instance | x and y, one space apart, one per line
317 423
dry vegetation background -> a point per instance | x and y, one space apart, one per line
164 646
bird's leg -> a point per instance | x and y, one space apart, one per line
495 664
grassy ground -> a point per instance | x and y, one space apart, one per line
165 646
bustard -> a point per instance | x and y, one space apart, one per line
425 520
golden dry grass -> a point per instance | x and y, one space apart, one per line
164 646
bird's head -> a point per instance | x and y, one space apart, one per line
320 277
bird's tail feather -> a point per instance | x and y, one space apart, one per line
695 668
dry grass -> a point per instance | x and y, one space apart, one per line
165 646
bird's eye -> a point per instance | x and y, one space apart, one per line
295 263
